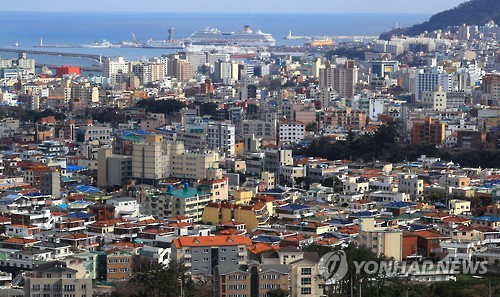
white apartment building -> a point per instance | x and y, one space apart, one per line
290 132
221 136
115 66
410 184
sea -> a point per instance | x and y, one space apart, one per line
25 30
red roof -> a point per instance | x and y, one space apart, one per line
429 234
218 240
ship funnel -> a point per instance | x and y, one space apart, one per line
171 34
247 29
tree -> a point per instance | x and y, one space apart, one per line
156 280
167 107
277 293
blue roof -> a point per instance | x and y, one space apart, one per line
12 196
416 227
487 219
275 190
440 205
399 204
74 168
87 189
362 214
78 215
81 201
339 222
294 206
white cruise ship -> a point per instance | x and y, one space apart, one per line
247 37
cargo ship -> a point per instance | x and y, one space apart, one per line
247 37
321 42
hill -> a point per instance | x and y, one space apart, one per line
474 12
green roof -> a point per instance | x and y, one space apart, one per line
130 138
186 193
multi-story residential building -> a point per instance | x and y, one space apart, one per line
491 89
274 160
182 70
435 98
193 165
428 131
115 265
355 185
124 206
215 184
248 280
55 279
151 161
202 254
88 133
428 79
115 66
187 201
112 170
346 118
259 128
221 136
290 132
252 216
303 270
381 240
411 184
341 77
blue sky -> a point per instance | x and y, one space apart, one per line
285 6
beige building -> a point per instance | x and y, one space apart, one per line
215 184
381 240
436 98
243 196
242 280
303 270
112 170
193 165
187 201
252 216
458 206
151 160
410 184
55 279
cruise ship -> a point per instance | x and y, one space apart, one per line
247 37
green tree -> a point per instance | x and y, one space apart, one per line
277 293
156 280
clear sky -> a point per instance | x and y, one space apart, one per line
287 6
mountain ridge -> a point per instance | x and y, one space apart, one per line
473 12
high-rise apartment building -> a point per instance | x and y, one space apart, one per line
151 160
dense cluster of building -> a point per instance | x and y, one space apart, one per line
82 200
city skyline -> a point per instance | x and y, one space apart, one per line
258 6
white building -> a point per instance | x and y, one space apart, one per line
291 132
115 66
221 136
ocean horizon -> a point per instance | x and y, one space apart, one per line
26 29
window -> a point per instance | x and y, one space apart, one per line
306 291
305 281
306 271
